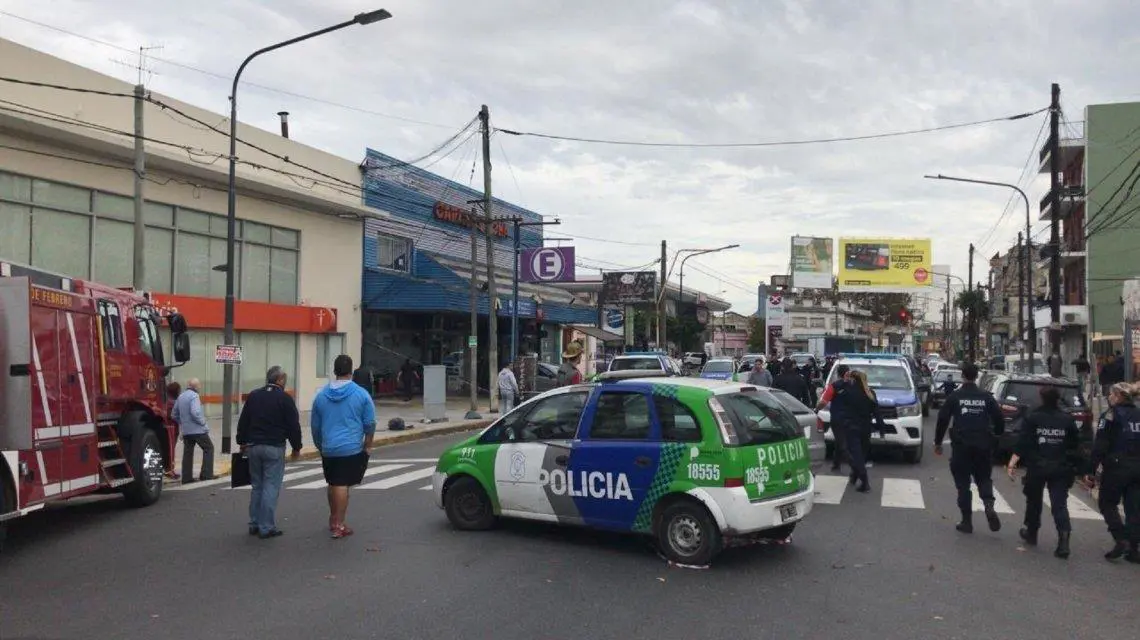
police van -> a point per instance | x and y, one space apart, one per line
899 403
693 463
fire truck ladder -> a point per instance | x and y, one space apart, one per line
112 461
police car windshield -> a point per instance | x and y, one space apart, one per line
719 366
884 376
636 364
759 418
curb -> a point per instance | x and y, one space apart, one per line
409 436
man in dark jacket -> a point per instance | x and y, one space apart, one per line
268 419
363 378
977 420
1048 446
792 382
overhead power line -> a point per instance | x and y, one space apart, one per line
772 143
986 239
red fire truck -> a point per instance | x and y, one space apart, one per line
83 405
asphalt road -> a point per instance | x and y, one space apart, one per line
185 569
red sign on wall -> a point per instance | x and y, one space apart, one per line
462 217
210 313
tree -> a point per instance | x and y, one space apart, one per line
973 301
884 307
757 330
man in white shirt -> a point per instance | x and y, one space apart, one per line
508 388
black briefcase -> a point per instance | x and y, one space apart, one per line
239 470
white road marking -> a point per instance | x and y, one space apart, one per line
902 493
1000 505
829 489
403 478
199 484
371 471
427 488
1078 510
289 477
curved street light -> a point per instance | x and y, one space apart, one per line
362 19
692 254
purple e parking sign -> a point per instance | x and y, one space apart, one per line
548 264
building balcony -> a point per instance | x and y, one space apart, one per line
1072 200
1071 148
1071 316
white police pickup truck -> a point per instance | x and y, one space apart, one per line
899 403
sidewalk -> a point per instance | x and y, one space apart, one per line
411 412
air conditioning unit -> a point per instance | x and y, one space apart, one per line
1069 318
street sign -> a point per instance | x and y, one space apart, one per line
227 354
472 342
548 264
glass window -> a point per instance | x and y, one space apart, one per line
818 323
190 220
1028 395
790 403
283 276
255 360
161 215
718 366
392 252
799 323
159 254
678 423
114 252
621 416
192 277
759 419
255 272
285 238
148 335
636 364
111 325
328 348
61 242
105 204
885 377
553 418
281 350
257 233
218 227
61 195
16 237
15 187
217 286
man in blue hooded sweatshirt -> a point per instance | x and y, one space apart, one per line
343 422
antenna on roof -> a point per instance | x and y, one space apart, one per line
141 65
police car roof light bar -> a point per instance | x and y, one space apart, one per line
871 356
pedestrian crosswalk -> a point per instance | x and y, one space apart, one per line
380 475
907 493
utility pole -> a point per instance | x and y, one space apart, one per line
492 292
1020 296
473 337
661 337
1055 222
139 277
1030 300
972 318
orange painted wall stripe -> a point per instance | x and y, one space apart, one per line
210 313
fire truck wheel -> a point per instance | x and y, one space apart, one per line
146 464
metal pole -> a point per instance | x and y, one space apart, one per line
231 211
1055 224
661 337
139 275
492 289
972 325
473 337
515 300
1020 295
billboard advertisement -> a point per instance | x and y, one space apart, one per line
629 287
548 264
811 262
879 265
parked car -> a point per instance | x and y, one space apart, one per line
719 369
806 418
1020 393
649 361
938 394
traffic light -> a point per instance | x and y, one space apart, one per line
904 316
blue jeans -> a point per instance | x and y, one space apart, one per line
506 401
266 473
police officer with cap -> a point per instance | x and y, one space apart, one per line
977 419
1117 450
1048 445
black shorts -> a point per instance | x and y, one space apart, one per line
345 471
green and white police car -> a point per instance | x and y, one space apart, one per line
693 463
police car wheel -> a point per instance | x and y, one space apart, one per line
467 505
687 534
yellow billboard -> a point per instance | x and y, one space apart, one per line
884 264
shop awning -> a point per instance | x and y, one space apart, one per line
600 334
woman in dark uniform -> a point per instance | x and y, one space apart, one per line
862 411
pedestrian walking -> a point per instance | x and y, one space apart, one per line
187 413
508 388
343 421
1048 446
792 382
759 376
977 421
268 419
839 419
406 378
1116 451
861 409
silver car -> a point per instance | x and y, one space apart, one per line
807 420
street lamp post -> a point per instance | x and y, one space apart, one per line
1031 339
231 208
692 254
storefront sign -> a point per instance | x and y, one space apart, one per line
548 264
462 217
209 313
629 287
227 354
527 307
880 265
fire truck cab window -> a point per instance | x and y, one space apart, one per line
111 324
148 335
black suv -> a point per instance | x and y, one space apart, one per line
1020 393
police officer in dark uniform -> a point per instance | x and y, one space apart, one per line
1048 446
1117 450
977 419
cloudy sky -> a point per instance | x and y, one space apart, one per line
691 71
